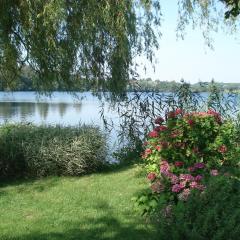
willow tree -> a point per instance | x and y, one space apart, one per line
75 42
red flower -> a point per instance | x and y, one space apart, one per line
215 114
158 148
222 149
148 151
179 164
163 128
190 122
159 120
178 111
153 134
151 176
160 128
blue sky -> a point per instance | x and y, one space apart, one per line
190 58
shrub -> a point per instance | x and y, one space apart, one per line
46 150
182 152
213 214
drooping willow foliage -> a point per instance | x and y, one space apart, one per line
69 43
138 111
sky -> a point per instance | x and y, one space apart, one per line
190 58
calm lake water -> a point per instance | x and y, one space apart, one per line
60 108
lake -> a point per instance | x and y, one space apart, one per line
61 108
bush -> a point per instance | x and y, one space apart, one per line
28 150
214 214
182 152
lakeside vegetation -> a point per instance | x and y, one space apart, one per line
56 182
37 151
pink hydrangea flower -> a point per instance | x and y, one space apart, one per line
174 179
153 134
186 177
164 167
183 196
194 184
198 178
176 188
199 165
214 172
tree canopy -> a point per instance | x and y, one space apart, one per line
69 42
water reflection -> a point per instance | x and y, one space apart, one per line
27 111
42 109
8 110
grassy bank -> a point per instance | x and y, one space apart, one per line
96 206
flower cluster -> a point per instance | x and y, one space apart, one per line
182 151
182 183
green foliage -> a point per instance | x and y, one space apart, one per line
28 150
213 214
129 154
73 42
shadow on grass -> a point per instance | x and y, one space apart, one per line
98 231
51 181
23 184
99 228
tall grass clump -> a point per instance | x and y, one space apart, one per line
28 150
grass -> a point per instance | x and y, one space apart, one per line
96 206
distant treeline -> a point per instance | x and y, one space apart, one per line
26 83
168 86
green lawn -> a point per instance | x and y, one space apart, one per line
97 206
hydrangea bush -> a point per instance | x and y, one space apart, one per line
182 152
